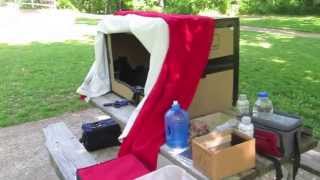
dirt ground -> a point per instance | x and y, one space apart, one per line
23 155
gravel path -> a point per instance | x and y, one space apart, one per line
281 31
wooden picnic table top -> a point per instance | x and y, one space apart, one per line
263 165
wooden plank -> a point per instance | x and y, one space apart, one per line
310 161
66 151
119 114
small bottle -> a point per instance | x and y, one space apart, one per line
177 127
263 107
245 126
243 105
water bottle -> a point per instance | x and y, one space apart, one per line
243 105
263 107
177 127
245 126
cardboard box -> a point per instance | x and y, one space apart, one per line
222 43
226 161
208 123
215 92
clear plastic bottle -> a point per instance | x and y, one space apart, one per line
245 126
177 127
263 107
243 105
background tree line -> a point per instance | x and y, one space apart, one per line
195 6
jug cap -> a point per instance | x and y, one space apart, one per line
175 105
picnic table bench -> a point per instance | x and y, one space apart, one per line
68 154
263 165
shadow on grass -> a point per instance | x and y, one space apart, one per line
39 80
288 68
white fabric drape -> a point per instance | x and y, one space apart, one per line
153 33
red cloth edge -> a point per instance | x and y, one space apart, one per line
187 56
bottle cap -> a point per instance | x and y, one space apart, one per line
246 120
263 94
175 105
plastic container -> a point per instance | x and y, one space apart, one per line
245 126
169 172
263 107
243 105
177 127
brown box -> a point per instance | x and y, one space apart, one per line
214 94
222 43
217 89
227 161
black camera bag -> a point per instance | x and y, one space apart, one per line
100 134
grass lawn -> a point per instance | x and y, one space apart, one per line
87 21
298 23
39 80
288 68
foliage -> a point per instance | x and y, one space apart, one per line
101 6
288 68
40 79
298 23
148 5
280 6
65 4
195 6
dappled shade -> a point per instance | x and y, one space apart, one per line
288 69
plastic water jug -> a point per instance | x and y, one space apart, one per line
177 126
263 107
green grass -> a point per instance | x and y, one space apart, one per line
87 21
288 68
303 23
39 80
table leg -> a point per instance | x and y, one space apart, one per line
287 171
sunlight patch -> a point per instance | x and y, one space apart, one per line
265 45
309 78
279 61
256 44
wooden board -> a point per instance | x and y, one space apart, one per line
66 151
310 161
121 115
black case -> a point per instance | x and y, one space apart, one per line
100 134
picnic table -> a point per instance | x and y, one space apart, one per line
263 165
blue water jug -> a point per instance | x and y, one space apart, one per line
177 126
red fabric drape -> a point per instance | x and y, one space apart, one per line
187 56
124 168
